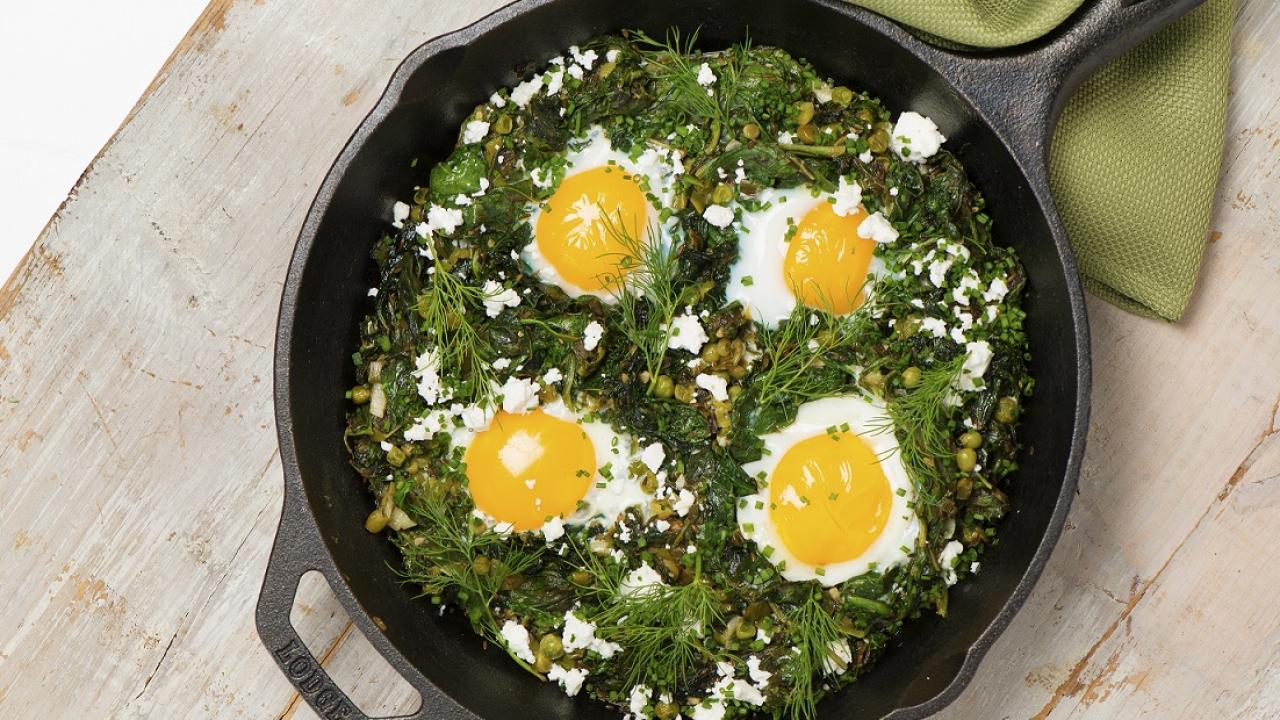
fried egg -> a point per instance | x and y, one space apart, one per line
833 496
802 247
527 469
602 193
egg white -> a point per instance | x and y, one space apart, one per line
658 168
813 419
606 498
762 252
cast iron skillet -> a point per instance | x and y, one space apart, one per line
997 111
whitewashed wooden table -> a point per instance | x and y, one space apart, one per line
140 484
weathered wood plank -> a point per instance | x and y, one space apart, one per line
139 483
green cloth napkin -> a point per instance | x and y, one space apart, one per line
1135 158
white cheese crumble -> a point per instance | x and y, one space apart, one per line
399 213
714 384
430 384
684 502
938 269
581 635
950 555
519 395
996 291
876 227
639 693
521 94
520 451
961 292
591 335
718 215
585 59
848 199
640 579
426 427
839 655
502 363
517 639
976 360
570 680
373 292
915 137
474 131
706 76
441 219
575 72
552 376
758 675
553 529
497 297
611 55
686 333
653 456
476 418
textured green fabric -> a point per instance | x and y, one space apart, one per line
1136 155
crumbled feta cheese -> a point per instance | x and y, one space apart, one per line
502 363
521 94
427 426
915 137
591 335
973 567
430 384
976 360
684 502
865 156
570 680
848 198
553 529
786 138
706 76
555 80
893 192
714 384
611 55
686 333
497 100
585 59
552 376
484 187
443 219
640 579
461 200
517 639
653 456
839 655
876 227
519 395
718 215
934 326
542 178
373 292
578 633
399 213
758 675
476 418
947 561
497 297
575 72
474 131
639 693
938 269
661 525
996 291
961 292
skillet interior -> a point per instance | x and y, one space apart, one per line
374 172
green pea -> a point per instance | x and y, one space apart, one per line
710 352
684 393
751 131
735 391
582 577
503 125
722 194
966 459
873 380
542 663
911 377
964 488
376 521
395 456
865 115
808 133
841 95
804 112
1007 409
878 142
551 646
908 326
481 565
650 483
746 630
666 710
664 386
360 394
971 439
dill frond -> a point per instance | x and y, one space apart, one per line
440 556
644 287
447 307
920 418
669 61
812 631
806 341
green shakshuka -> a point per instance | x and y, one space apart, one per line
690 377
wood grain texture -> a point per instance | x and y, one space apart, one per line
140 484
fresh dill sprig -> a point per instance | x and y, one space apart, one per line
447 306
441 554
644 287
670 61
920 418
660 627
813 632
805 341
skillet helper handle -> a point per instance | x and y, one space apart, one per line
1026 86
298 549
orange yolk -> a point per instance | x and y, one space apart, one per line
576 231
826 261
526 469
828 498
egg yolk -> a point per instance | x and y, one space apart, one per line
577 229
829 499
526 469
826 261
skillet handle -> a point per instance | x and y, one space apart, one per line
298 549
1024 88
